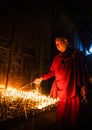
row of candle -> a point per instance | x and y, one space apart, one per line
16 103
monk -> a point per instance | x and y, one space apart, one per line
70 82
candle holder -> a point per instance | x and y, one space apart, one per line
19 104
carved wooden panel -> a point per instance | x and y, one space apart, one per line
4 59
16 67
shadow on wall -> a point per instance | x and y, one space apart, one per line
89 65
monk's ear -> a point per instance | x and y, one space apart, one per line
65 40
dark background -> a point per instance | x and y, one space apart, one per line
27 31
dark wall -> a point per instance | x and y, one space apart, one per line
25 30
27 35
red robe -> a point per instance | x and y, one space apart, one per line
70 72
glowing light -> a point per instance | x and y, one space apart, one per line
2 86
90 49
16 102
89 52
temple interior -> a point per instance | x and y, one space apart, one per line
27 30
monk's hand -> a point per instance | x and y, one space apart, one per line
84 94
83 91
38 80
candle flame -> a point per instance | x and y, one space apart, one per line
25 100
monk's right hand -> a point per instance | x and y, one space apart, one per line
37 80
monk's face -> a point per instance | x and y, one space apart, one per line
61 45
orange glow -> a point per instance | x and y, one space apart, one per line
35 96
24 101
2 86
